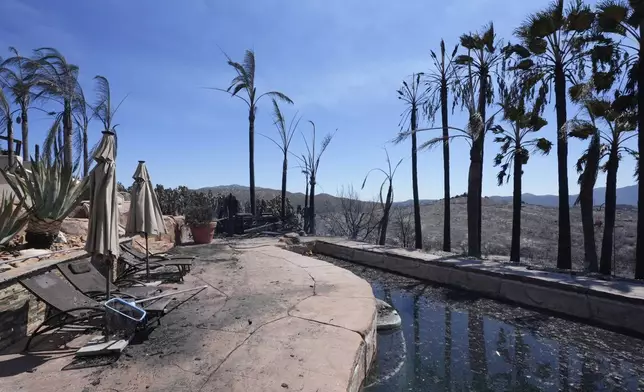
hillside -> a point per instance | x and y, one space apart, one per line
538 231
539 223
323 201
625 196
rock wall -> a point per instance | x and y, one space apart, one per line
20 313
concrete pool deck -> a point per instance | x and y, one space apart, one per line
270 320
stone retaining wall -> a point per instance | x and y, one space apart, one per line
618 306
20 313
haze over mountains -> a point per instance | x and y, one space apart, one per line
626 196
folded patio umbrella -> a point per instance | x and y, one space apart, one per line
102 233
145 213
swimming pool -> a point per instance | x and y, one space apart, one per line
451 340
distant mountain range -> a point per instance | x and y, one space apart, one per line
625 196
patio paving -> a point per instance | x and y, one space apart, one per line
270 320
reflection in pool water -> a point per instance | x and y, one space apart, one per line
453 341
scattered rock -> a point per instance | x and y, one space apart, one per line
388 317
81 211
284 385
34 252
60 238
75 226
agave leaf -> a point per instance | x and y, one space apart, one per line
13 217
49 189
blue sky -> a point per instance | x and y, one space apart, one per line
341 61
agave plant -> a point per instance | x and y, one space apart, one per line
13 217
50 191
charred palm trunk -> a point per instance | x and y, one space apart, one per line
564 255
414 179
284 170
24 124
586 202
639 247
473 189
251 157
68 135
385 216
306 206
85 154
10 150
312 207
447 241
481 147
515 249
609 210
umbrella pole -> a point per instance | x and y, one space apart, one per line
147 259
108 262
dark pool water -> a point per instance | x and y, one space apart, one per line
451 340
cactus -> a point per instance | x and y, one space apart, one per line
13 217
50 191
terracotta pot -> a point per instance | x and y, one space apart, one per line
203 234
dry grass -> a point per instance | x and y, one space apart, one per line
539 232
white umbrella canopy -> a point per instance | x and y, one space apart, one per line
102 233
145 213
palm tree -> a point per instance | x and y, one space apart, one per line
306 172
625 19
82 119
619 127
515 146
286 135
386 205
19 80
439 81
7 121
245 81
478 66
553 43
312 163
588 167
58 80
414 98
104 109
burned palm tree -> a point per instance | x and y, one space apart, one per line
618 126
626 20
17 73
415 98
245 81
104 109
7 121
286 133
57 79
476 92
439 81
312 164
552 53
389 200
516 143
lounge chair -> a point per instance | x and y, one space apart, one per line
128 248
88 280
70 306
135 265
